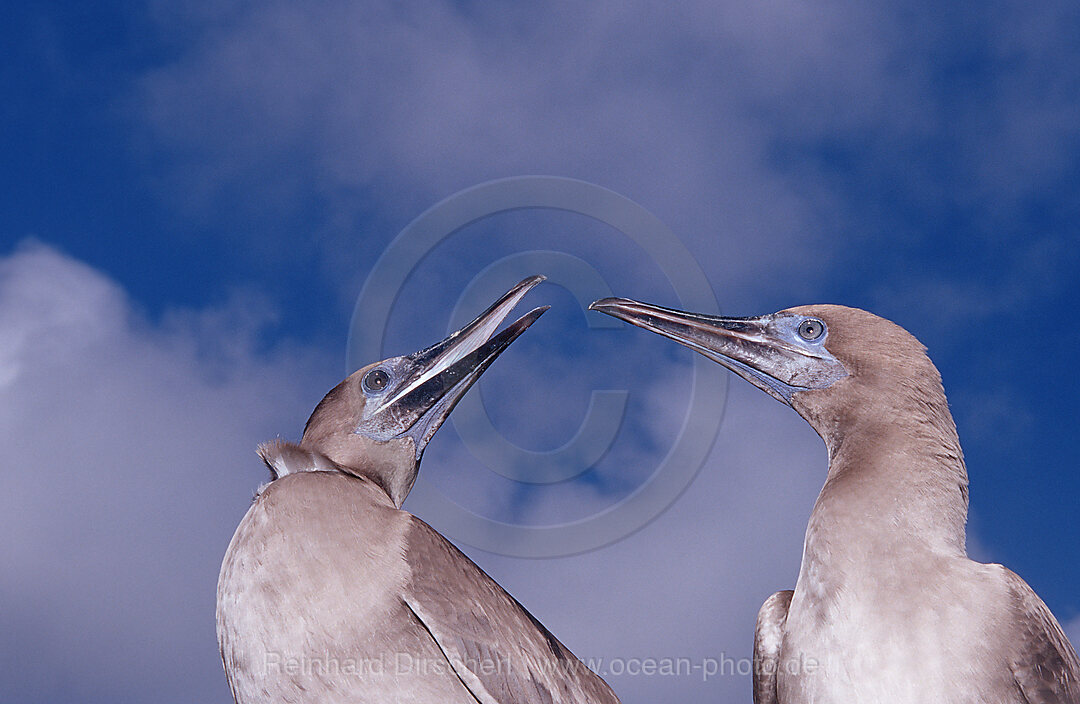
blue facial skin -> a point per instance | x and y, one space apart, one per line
795 345
411 396
809 334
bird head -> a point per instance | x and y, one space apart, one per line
377 422
836 366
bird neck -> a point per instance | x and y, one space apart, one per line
392 465
395 480
896 484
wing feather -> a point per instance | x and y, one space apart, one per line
768 637
498 650
1045 665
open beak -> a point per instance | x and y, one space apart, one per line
439 376
757 349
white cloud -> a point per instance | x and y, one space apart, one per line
711 114
128 444
128 456
718 117
128 460
380 111
690 583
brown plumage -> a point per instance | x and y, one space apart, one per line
887 608
330 593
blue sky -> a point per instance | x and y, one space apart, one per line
194 193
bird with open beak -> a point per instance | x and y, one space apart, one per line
329 592
887 608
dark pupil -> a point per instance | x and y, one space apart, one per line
376 380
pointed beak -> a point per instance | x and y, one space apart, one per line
441 374
753 348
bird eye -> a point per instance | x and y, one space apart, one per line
811 329
375 381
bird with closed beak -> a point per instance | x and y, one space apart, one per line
330 593
887 607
